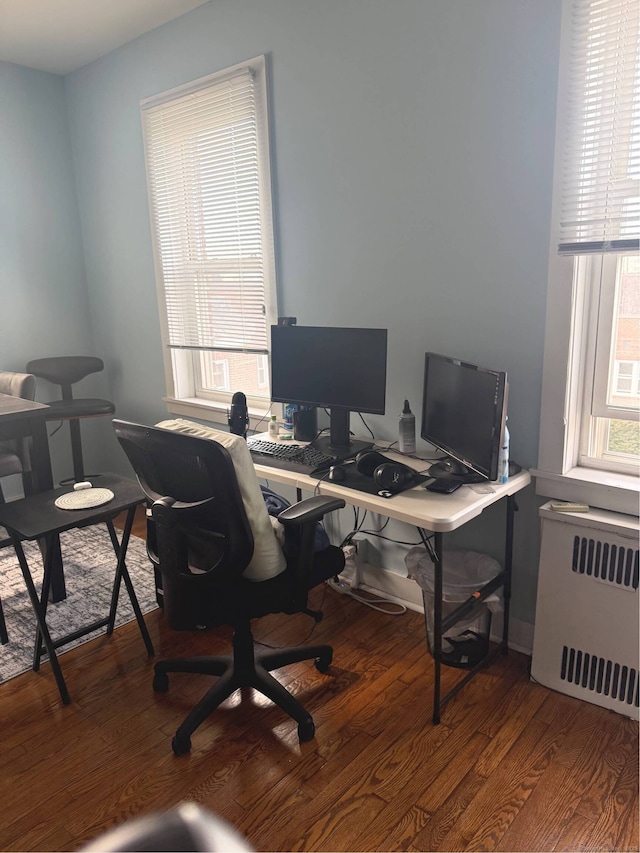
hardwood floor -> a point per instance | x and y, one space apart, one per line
513 766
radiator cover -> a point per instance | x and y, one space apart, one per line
586 639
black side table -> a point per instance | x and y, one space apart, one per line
37 517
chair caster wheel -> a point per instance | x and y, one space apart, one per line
181 745
306 730
160 682
323 663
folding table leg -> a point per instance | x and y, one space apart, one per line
122 573
48 554
40 612
4 636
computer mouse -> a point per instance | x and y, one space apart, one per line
337 474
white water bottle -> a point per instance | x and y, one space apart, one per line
407 433
503 458
273 428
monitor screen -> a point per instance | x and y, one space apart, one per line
341 369
463 414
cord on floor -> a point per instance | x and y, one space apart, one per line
343 588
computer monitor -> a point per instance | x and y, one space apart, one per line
463 414
340 369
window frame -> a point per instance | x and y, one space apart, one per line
182 367
559 473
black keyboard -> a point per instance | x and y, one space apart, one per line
303 455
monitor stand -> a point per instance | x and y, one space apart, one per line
340 451
339 443
451 469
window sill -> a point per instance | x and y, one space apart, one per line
615 492
211 411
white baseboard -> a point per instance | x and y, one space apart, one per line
406 591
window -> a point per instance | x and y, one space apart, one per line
589 431
207 155
627 379
214 372
610 429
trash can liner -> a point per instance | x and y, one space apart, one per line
466 642
464 573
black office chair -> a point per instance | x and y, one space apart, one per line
65 371
202 543
187 826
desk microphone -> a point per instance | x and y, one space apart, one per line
238 416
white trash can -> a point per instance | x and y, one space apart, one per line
467 642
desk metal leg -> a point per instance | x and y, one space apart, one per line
435 551
437 626
508 564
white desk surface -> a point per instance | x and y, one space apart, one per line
431 511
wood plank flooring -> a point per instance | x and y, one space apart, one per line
513 766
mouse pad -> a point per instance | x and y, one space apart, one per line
355 480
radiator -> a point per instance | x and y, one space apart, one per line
586 638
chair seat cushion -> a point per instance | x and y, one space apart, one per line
82 407
268 559
268 597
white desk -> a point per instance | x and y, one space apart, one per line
433 515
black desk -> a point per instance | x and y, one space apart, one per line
20 418
37 517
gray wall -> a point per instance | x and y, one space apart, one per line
43 293
412 146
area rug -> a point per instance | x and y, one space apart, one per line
89 569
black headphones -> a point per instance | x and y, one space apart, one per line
389 476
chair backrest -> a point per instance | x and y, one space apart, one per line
203 537
18 384
65 370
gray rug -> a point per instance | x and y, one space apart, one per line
89 569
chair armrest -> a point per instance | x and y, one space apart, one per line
311 509
305 515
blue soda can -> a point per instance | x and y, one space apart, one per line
289 409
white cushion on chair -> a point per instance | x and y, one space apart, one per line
268 559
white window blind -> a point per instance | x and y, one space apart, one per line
600 210
209 210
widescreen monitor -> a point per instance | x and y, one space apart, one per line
340 369
463 415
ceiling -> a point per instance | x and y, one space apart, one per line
59 36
